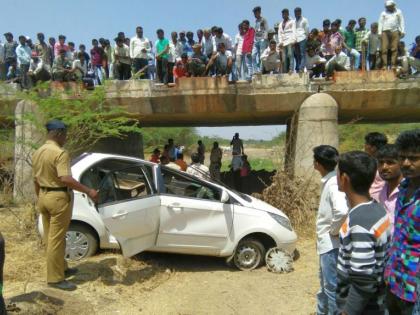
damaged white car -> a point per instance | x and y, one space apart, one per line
144 206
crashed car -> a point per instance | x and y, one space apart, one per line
145 206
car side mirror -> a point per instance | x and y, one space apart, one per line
225 197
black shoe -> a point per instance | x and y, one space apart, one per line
70 272
63 285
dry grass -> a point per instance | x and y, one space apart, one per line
297 198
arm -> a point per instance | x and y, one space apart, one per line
402 24
306 28
380 24
339 209
36 187
294 37
71 183
131 48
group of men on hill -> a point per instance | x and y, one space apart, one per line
287 47
368 227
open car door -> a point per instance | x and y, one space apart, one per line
130 209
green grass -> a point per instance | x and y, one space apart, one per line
256 164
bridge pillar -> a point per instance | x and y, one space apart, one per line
316 123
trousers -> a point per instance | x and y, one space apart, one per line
389 41
328 280
56 210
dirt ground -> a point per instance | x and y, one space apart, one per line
150 283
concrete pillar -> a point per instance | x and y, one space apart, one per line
130 145
317 124
27 137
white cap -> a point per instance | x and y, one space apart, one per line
389 3
27 37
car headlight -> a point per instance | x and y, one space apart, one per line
284 222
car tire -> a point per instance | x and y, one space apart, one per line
81 242
249 254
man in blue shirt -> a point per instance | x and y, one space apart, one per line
414 58
23 53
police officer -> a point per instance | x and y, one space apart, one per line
53 184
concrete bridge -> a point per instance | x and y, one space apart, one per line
312 110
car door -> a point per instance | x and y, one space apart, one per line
130 208
193 219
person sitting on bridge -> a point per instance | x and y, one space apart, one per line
80 71
61 69
223 61
270 59
38 70
180 69
414 58
315 64
198 64
339 62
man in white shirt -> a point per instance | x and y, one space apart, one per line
239 58
221 37
260 39
302 33
339 62
314 63
198 169
332 213
391 29
287 40
207 43
270 59
122 60
140 47
175 53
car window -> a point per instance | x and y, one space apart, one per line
118 180
184 186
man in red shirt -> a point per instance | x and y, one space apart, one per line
97 55
180 69
247 46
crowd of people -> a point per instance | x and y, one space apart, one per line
287 47
368 227
172 156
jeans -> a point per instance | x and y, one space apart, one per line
24 78
97 70
259 47
249 66
240 67
288 58
328 279
300 55
355 55
140 63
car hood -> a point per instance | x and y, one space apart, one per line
263 206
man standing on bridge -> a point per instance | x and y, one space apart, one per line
53 183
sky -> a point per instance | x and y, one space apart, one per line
82 20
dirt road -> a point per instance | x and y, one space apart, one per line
153 283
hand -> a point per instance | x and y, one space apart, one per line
94 195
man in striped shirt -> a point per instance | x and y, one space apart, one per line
363 239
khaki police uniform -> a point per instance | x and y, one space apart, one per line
49 163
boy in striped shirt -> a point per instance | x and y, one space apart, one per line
363 239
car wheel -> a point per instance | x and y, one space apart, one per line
279 260
81 242
249 254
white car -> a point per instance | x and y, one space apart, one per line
144 206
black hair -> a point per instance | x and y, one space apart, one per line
61 37
221 44
273 42
214 28
195 158
388 151
21 36
285 11
338 21
71 44
160 31
257 9
156 151
94 40
374 24
170 140
409 141
335 23
184 55
362 18
326 22
417 38
327 156
246 22
315 31
138 27
376 139
299 9
352 22
40 34
220 30
361 169
82 46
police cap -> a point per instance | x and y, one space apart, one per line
55 124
